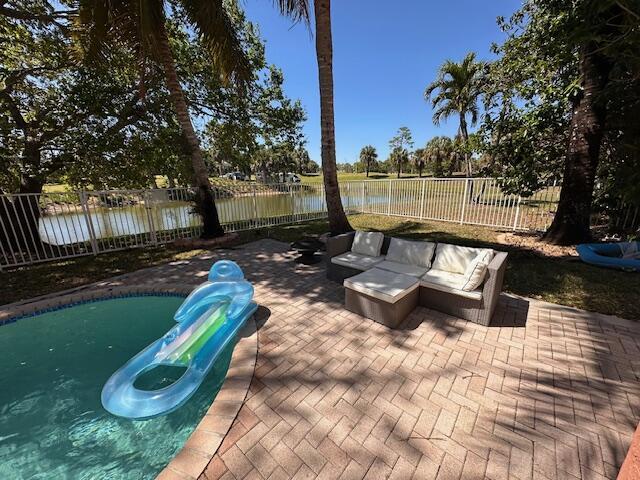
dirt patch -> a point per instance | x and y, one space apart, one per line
532 242
208 244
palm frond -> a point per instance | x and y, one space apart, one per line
442 113
297 10
220 35
131 23
457 87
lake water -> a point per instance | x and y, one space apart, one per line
69 228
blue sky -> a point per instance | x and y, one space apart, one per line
385 53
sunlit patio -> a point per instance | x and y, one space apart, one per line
550 392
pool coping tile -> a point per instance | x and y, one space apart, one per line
216 423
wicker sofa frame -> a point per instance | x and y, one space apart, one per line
477 311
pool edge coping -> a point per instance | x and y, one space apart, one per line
203 443
193 458
15 311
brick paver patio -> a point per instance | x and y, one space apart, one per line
554 393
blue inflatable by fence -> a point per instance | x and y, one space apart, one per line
622 255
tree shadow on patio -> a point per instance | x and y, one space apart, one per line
579 390
557 394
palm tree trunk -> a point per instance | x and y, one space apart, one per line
367 167
205 204
464 133
571 223
467 161
338 222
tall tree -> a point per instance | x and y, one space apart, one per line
368 155
559 102
601 32
142 26
59 118
457 89
400 146
299 10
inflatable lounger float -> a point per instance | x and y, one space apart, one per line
621 255
208 319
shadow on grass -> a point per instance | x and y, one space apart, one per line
558 280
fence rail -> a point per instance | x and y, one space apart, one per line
472 201
41 227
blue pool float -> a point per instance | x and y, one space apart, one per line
621 255
208 319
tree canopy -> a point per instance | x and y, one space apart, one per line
529 89
100 125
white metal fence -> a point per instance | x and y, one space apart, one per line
37 228
475 201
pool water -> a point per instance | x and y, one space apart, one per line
52 369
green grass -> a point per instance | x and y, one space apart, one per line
565 281
354 177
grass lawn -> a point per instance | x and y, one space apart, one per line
355 177
558 280
56 188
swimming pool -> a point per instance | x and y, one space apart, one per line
52 369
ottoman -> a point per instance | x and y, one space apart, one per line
383 296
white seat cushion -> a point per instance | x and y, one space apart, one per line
410 252
356 260
397 267
448 282
477 270
382 284
367 243
454 258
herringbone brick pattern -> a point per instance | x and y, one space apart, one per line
335 395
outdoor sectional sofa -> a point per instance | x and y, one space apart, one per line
385 277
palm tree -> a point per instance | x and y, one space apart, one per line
299 10
141 25
399 153
419 158
441 153
398 156
368 155
457 90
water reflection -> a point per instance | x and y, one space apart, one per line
68 228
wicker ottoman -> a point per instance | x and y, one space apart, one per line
385 297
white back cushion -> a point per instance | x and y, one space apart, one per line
454 258
477 270
411 253
367 243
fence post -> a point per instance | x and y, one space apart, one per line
84 204
389 201
152 223
255 206
349 197
424 183
293 206
464 200
362 198
515 220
